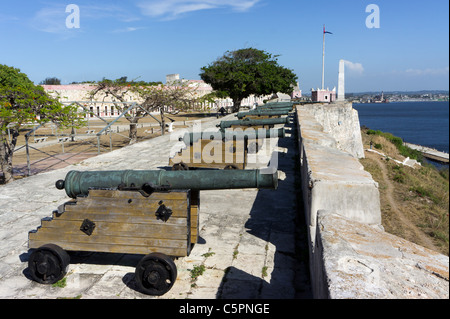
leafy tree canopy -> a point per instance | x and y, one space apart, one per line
244 72
22 102
51 81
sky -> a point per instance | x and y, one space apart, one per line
388 45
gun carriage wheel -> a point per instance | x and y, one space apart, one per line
48 264
155 274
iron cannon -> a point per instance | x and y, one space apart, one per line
255 123
151 213
224 149
276 105
78 183
258 113
248 134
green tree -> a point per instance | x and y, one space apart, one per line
244 72
21 102
118 90
177 96
154 97
51 81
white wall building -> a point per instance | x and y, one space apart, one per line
80 92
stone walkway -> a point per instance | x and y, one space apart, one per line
249 244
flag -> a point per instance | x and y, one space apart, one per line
326 31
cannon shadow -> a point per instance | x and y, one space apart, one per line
277 218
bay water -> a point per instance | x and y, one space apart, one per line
421 123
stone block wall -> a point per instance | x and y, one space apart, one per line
350 254
332 178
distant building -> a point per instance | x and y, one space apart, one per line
320 95
199 88
297 93
170 78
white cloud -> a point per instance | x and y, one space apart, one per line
172 9
428 71
128 29
51 20
354 67
4 18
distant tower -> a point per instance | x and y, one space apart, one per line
341 87
171 78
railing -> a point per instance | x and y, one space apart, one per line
62 138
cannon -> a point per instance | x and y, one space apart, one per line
79 183
263 123
263 113
221 149
151 213
249 134
275 105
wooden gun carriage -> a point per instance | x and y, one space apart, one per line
222 149
152 213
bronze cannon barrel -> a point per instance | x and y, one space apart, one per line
276 105
264 112
78 183
248 122
238 135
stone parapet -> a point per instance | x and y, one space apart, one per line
350 254
358 261
333 179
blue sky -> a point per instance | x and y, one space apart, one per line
148 39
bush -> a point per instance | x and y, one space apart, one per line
399 178
398 142
444 173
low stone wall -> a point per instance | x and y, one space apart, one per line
350 254
358 261
340 120
333 179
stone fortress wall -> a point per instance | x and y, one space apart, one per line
350 254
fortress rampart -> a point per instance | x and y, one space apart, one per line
350 254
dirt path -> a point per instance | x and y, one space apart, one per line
412 232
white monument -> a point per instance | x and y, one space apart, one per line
341 87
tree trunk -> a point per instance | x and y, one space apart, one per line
133 130
236 105
6 154
6 165
163 121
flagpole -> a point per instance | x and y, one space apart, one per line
323 57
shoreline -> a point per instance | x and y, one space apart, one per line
403 101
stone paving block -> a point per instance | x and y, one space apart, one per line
219 261
239 285
111 283
250 264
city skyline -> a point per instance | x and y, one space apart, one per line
147 39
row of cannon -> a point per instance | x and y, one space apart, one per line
152 212
228 147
